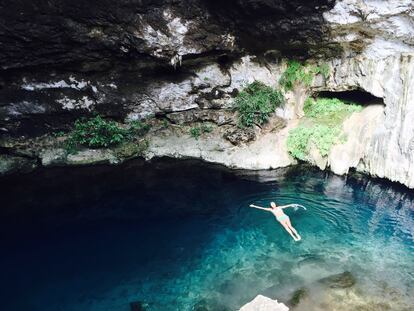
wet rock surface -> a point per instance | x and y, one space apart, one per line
14 164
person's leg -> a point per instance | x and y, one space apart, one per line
284 224
289 224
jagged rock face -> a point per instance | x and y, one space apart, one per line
59 32
185 60
383 140
129 59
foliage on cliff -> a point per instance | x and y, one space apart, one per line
297 72
256 103
322 126
196 131
97 132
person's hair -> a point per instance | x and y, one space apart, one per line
272 204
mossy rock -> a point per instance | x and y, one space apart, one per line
238 136
130 149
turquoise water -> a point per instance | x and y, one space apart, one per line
180 236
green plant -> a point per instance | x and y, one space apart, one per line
165 124
321 136
58 134
322 127
296 72
329 111
139 128
206 128
301 73
297 142
255 103
97 132
195 132
325 70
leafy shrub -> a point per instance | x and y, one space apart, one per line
58 134
330 111
206 128
97 132
325 116
255 103
297 142
295 72
138 128
196 131
322 136
299 73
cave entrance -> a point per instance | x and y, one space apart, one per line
356 96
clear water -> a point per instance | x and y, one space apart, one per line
180 235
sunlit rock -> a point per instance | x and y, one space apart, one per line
262 303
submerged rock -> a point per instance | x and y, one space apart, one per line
209 305
138 306
262 303
342 280
202 305
297 296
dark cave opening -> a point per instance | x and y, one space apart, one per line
356 96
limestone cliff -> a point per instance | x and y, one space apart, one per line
184 61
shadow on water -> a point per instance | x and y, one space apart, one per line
178 233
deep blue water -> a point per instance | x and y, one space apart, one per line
175 235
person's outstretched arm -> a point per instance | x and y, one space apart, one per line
258 207
292 205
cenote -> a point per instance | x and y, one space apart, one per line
180 236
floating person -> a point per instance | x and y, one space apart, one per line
282 217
